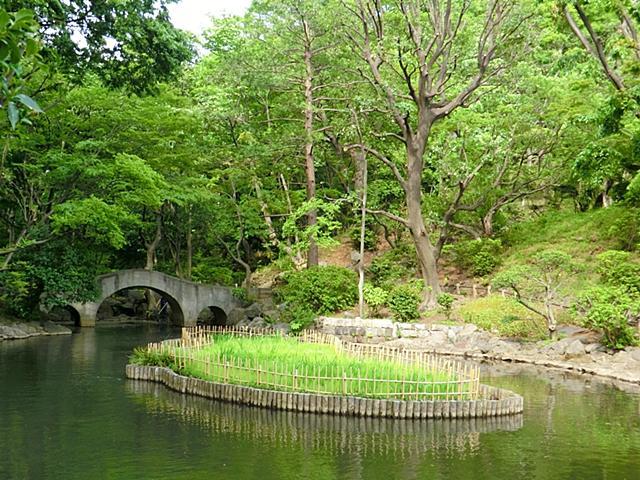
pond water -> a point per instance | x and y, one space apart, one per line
67 412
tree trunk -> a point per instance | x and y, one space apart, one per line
487 223
424 248
362 166
189 266
312 216
551 319
151 247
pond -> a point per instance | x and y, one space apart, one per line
67 412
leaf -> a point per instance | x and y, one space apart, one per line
29 102
13 114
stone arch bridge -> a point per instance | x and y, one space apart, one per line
186 299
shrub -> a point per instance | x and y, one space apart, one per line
626 230
376 298
445 301
404 301
143 356
480 257
609 309
321 290
617 270
396 264
204 272
504 316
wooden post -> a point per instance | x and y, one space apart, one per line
458 288
474 290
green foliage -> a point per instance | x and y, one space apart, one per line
404 301
370 236
19 47
321 290
16 293
205 272
324 229
504 316
611 310
445 300
376 298
144 356
617 270
480 257
396 264
626 230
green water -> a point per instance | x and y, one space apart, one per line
67 412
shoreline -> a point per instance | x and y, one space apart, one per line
579 352
21 330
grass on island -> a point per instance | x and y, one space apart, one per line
318 368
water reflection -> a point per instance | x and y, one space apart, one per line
328 433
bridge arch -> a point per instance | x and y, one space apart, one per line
186 299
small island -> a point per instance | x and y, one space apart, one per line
319 373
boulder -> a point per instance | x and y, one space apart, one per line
634 353
258 322
236 317
254 310
281 327
574 349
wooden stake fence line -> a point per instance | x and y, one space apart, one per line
466 385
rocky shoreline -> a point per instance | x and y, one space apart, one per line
21 330
579 352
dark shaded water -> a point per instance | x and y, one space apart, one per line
66 412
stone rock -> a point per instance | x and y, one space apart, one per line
468 329
574 349
257 322
451 335
236 316
437 338
281 327
593 347
635 354
254 310
55 329
272 314
243 323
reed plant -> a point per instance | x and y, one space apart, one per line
285 363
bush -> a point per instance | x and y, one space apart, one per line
617 270
321 290
626 230
480 257
376 298
445 301
504 316
396 264
204 272
404 301
611 310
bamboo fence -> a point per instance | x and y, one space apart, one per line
454 380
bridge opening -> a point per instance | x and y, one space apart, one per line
212 316
136 304
66 315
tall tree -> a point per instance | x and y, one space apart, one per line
422 64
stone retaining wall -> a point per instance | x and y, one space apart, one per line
493 401
367 330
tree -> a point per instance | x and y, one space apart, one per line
417 72
539 281
130 43
19 53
